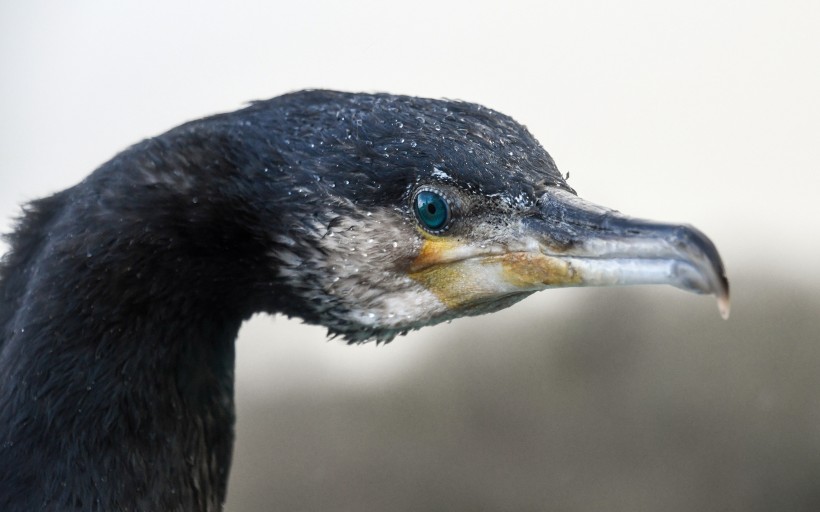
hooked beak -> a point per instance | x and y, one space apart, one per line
601 247
567 241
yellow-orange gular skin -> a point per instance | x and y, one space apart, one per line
462 274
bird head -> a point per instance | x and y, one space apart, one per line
395 212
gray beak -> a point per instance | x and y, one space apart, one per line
602 247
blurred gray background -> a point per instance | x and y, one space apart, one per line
574 400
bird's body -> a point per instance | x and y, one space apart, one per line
369 214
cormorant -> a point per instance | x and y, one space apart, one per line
369 214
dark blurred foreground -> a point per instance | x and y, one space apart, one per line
629 402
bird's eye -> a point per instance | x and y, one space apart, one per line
432 210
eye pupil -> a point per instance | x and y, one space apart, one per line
431 210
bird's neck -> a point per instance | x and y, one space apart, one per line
132 415
117 344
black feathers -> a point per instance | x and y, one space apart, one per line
121 297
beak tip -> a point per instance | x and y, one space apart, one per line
723 302
724 307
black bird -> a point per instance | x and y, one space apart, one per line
369 214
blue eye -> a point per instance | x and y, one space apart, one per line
431 209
